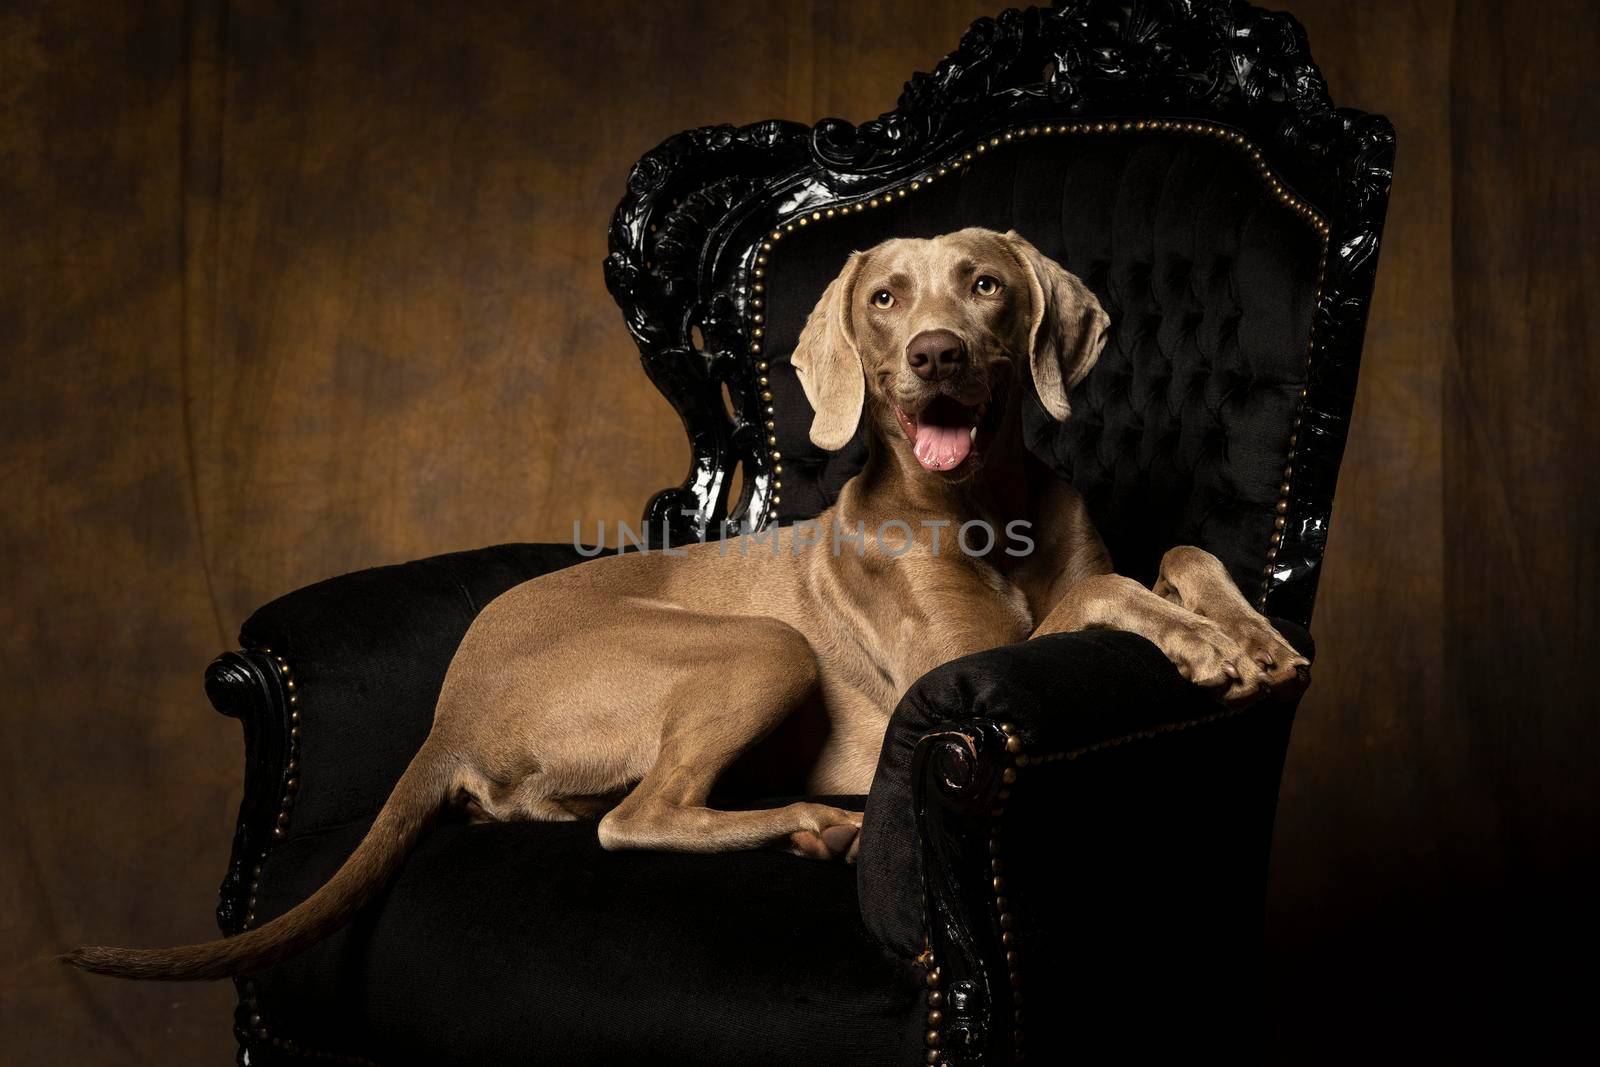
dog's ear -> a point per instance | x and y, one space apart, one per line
829 364
1068 330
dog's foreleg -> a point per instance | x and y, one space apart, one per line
1198 647
1199 582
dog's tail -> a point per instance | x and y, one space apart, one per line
408 812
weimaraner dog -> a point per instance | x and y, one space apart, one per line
629 684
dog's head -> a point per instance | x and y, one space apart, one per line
923 337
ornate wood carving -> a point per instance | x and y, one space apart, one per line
955 781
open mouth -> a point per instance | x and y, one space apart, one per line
946 432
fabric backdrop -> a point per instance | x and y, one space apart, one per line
288 289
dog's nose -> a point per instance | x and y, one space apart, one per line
935 355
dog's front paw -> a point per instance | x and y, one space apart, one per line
834 834
1285 671
1207 656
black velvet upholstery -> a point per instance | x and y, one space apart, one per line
1139 873
1180 434
370 650
506 942
1064 693
526 943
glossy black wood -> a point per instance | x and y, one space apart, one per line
956 781
246 685
684 239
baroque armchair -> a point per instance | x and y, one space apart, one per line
1065 848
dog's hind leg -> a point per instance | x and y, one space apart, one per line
523 800
764 671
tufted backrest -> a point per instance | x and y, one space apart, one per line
1209 269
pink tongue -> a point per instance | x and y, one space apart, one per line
939 448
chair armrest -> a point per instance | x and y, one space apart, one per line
1072 798
336 686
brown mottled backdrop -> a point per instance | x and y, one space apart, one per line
292 289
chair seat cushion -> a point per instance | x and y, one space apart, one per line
528 943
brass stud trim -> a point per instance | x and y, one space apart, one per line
291 781
1004 907
933 1000
251 1023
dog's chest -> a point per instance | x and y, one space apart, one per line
1012 615
953 623
913 624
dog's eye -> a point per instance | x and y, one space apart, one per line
986 285
883 298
